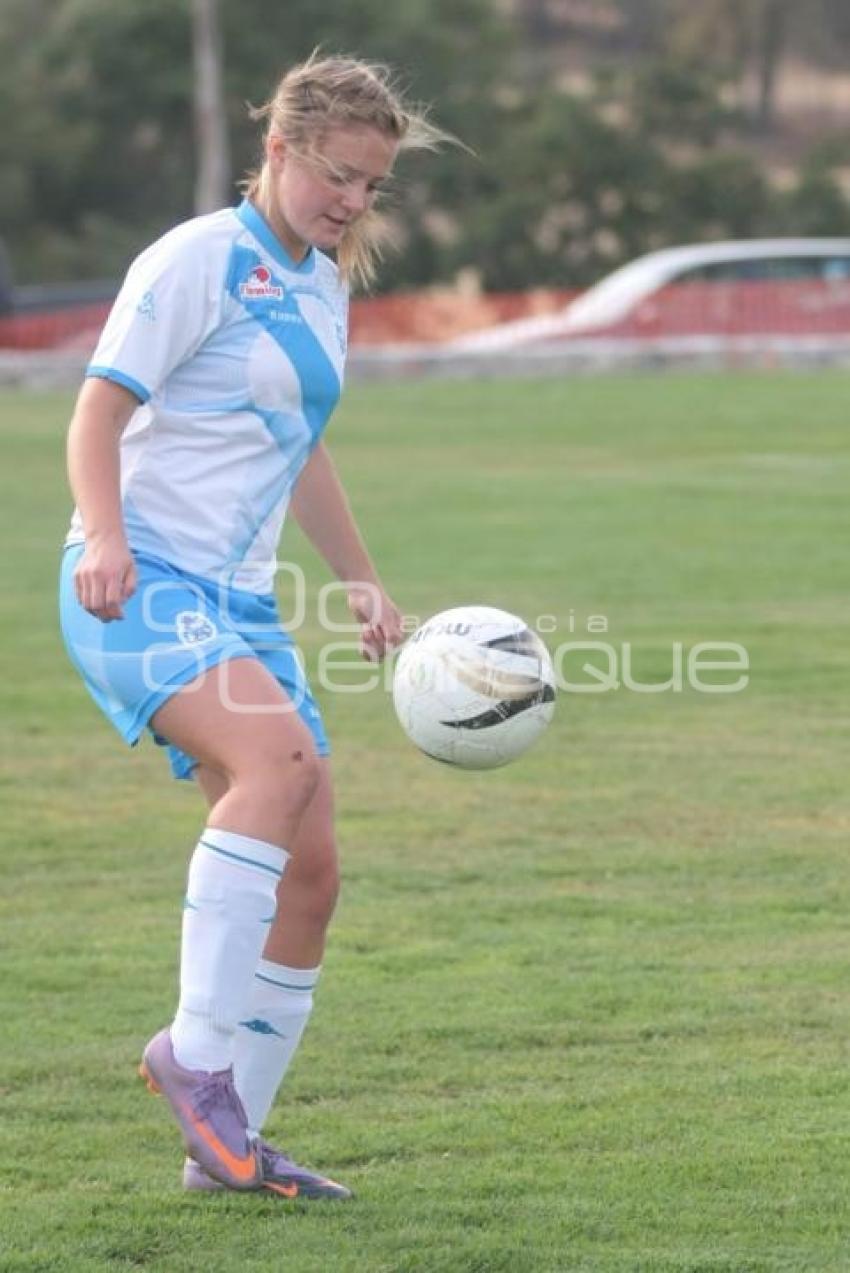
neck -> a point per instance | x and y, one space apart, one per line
280 227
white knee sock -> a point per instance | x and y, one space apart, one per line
279 1007
230 902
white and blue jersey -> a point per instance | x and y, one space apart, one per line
236 354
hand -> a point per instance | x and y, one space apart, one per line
105 577
380 619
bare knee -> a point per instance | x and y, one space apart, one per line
286 780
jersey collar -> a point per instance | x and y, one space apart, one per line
263 233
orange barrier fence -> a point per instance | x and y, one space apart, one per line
431 317
53 329
785 308
710 308
415 317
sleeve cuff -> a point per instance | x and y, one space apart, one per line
109 373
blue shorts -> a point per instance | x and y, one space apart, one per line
175 626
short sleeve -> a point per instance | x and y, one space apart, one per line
168 304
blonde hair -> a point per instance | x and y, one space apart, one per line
331 92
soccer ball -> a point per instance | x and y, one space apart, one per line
474 687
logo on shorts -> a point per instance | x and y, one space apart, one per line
193 627
258 286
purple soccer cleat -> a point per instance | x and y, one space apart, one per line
280 1176
209 1112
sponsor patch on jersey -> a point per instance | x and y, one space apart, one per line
258 286
193 627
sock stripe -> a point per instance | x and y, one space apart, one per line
237 857
284 985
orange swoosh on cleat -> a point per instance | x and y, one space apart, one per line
241 1168
288 1191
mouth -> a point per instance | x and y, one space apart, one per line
336 222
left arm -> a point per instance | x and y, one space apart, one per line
320 506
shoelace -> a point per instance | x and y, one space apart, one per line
274 1159
218 1089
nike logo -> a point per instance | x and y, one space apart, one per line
243 1169
288 1191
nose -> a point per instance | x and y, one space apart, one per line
356 197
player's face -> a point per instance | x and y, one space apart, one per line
316 197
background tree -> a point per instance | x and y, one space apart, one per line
212 183
655 144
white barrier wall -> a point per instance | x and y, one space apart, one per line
63 369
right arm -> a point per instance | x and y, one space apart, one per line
106 574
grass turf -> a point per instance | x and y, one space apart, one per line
586 1013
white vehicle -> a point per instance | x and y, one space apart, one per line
620 294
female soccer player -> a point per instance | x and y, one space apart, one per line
199 422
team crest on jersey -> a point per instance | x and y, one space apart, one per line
258 286
193 627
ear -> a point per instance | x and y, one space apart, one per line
275 150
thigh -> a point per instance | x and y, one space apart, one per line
236 719
256 621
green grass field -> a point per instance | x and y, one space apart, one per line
587 1013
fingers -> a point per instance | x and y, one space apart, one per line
373 643
369 651
101 597
130 581
113 594
393 631
102 588
380 621
377 639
